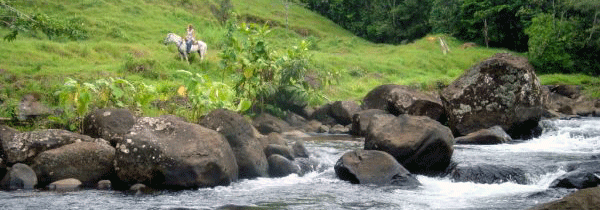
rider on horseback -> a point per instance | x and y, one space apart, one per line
190 37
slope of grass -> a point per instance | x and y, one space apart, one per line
126 41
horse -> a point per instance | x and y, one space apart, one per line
200 47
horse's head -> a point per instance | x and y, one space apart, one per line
171 38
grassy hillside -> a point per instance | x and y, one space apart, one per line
126 41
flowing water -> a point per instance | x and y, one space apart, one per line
563 141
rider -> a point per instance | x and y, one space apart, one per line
190 37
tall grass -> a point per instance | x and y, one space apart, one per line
126 41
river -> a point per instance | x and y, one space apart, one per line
543 159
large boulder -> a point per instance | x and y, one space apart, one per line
586 199
266 124
360 121
399 99
342 111
87 162
503 90
165 153
488 174
19 176
493 135
373 167
251 159
421 144
23 147
109 124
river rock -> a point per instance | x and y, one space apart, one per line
307 165
399 99
421 144
360 121
87 162
30 107
272 138
295 121
493 135
104 185
323 115
65 185
266 123
373 167
503 90
170 154
109 124
342 111
583 199
579 175
280 166
251 159
488 174
274 149
19 176
299 149
339 129
23 147
140 189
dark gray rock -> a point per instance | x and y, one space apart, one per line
23 147
251 159
342 111
109 124
299 149
170 154
493 135
307 165
280 166
284 151
579 176
266 123
361 119
398 99
272 138
87 162
503 90
19 176
295 120
488 174
373 167
323 115
421 144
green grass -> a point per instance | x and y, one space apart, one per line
126 37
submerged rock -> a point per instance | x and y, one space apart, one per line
579 176
373 167
488 174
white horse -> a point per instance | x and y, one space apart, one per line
200 47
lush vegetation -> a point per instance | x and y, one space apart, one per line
559 35
85 54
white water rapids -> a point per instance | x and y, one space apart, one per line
543 159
